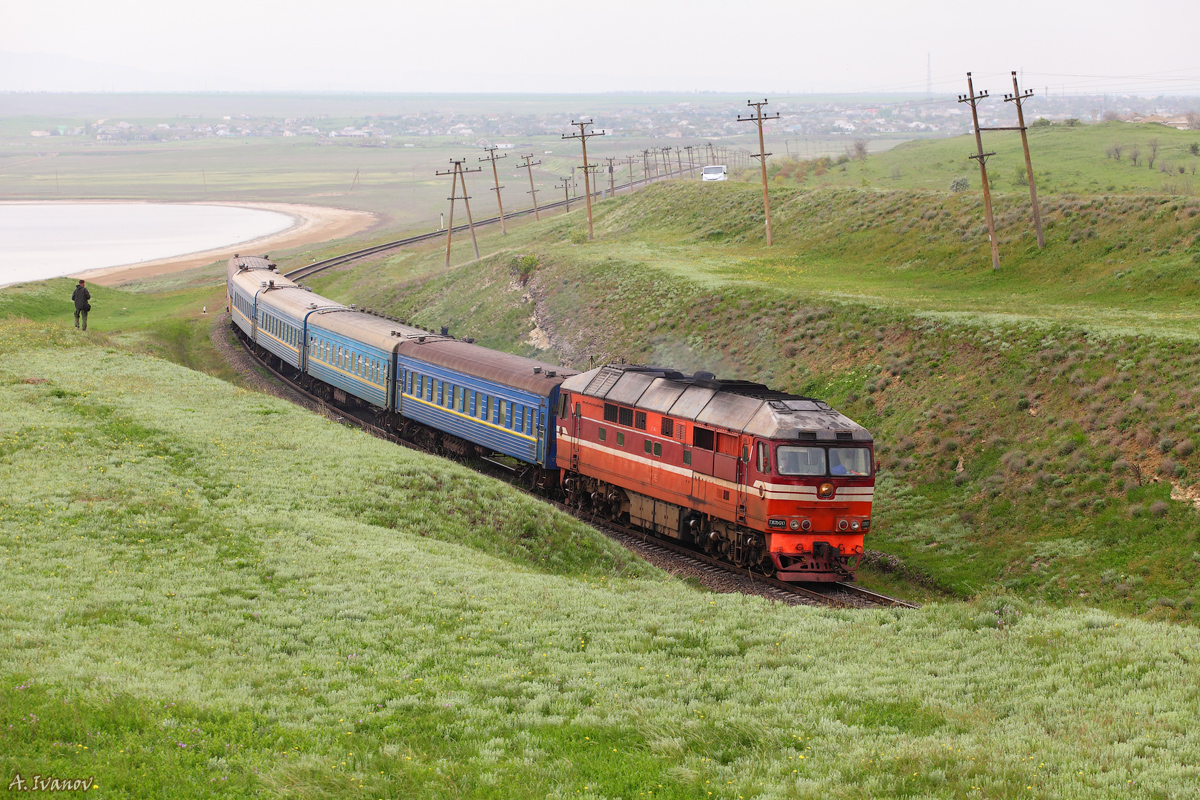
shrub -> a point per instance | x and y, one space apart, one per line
1165 444
1158 508
1184 448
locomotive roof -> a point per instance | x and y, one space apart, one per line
743 406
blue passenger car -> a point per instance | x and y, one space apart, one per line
502 402
355 352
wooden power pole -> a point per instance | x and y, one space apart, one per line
612 176
459 174
981 157
529 165
758 119
491 151
1017 98
629 160
583 136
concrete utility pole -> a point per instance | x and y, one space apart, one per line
491 151
583 136
1017 98
566 187
612 176
758 119
529 165
459 174
982 157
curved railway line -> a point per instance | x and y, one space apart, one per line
712 573
328 263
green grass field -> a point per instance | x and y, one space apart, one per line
179 622
364 621
1065 159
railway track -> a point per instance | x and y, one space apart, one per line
677 559
320 266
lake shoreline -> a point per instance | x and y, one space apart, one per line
310 225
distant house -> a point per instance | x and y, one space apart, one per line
505 145
39 133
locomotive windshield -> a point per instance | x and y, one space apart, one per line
792 460
800 460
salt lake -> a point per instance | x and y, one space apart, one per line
49 240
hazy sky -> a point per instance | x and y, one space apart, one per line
757 46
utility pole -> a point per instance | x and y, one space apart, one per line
566 187
1017 98
645 168
354 182
612 177
691 165
529 165
629 160
491 151
982 157
679 161
758 119
583 136
459 173
666 154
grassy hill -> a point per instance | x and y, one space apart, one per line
1038 426
189 612
1082 159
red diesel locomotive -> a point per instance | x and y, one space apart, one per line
767 480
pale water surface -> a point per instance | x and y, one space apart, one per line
48 240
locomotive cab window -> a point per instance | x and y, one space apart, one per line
762 461
854 461
792 460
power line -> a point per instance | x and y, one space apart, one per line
491 151
758 119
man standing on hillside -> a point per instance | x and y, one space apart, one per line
82 305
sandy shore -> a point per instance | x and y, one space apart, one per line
312 224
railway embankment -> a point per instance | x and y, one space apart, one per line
1038 426
209 591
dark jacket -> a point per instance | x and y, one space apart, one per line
81 298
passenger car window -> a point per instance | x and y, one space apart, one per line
760 459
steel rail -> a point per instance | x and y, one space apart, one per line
345 258
602 524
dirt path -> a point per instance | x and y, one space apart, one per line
313 224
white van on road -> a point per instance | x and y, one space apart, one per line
716 172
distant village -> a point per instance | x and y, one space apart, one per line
907 118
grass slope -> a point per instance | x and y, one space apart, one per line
1050 453
313 612
1065 159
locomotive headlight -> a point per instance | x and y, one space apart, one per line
825 490
854 525
794 524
